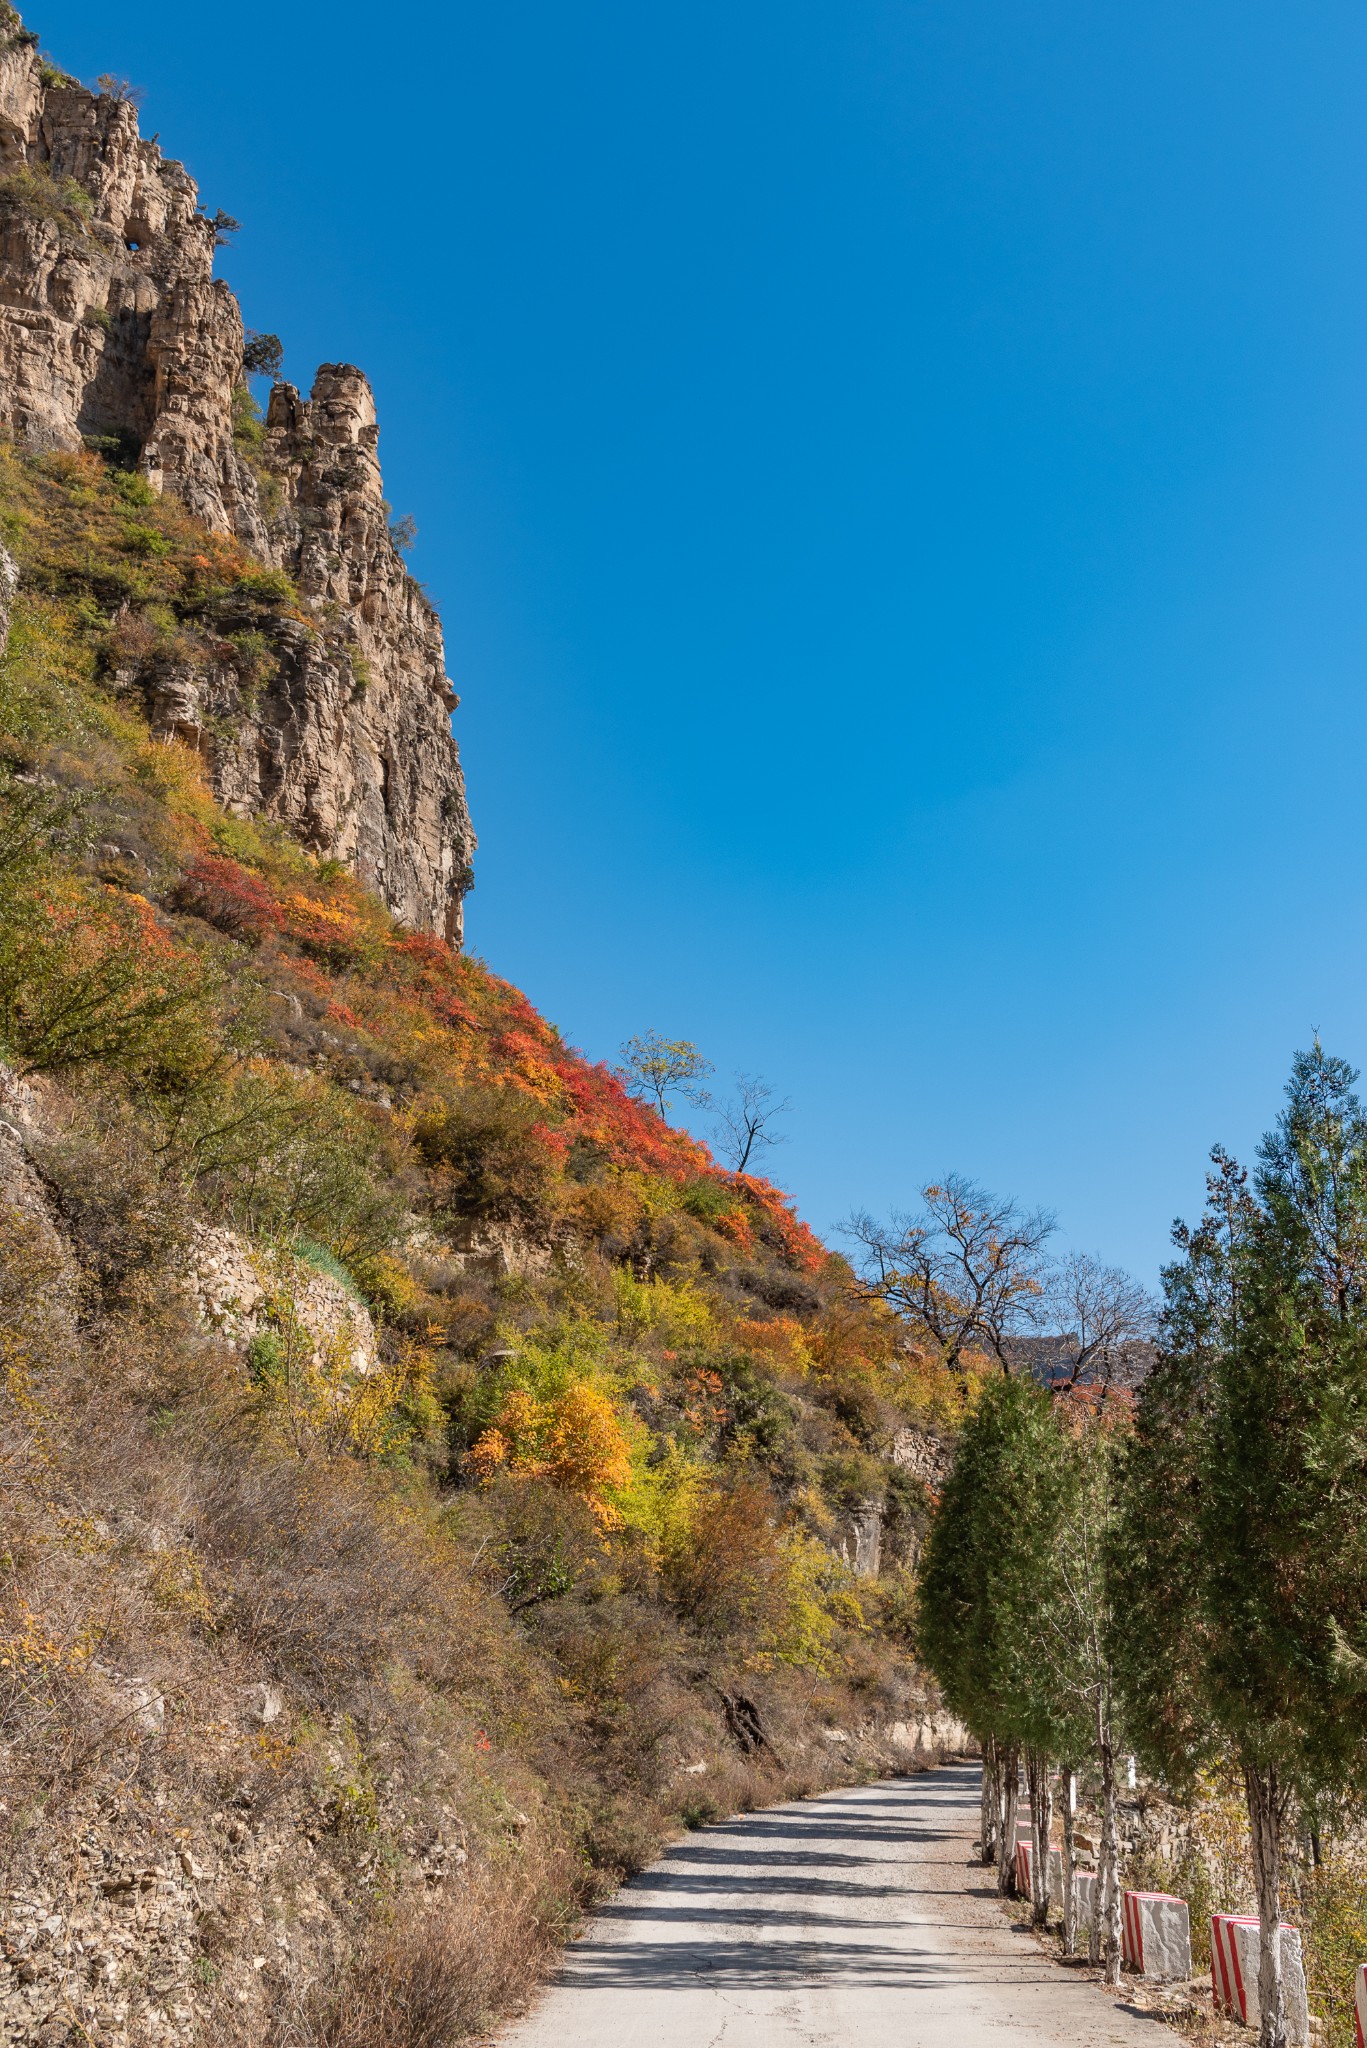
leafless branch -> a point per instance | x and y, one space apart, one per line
968 1272
1106 1321
743 1126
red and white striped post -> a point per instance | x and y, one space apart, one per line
1156 1935
1234 1973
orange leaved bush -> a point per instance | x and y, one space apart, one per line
91 977
574 1439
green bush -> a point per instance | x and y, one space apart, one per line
249 425
89 978
120 449
256 662
360 670
282 1158
271 586
265 1359
906 1507
145 540
134 489
45 679
706 1199
33 190
489 1162
850 1478
762 1419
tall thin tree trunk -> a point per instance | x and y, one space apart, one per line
1096 1918
1109 1883
1264 1795
1006 1846
1103 1944
1068 1790
1041 1821
991 1803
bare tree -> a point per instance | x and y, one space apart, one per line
969 1272
661 1068
742 1127
1106 1323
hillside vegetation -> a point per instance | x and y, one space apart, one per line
343 1662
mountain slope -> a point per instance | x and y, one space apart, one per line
426 1478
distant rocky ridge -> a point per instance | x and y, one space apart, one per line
115 333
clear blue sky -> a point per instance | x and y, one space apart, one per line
894 479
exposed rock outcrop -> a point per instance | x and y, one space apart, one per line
239 1289
114 333
921 1455
861 1545
9 583
111 321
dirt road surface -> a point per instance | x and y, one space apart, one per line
855 1920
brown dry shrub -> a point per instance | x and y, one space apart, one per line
623 1664
127 1220
725 1571
434 1975
319 1580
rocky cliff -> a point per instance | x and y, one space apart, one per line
322 702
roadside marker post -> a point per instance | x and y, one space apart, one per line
1084 1882
1156 1934
1234 1974
1360 2004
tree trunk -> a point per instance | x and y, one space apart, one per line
991 1804
1103 1945
1041 1821
1009 1756
1264 1794
1096 1918
1108 1880
1069 1792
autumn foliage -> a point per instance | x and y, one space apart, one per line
575 1440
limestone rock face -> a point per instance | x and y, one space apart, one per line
111 321
115 333
9 583
382 754
232 1283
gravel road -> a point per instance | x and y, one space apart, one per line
855 1920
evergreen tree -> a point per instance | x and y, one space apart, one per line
1074 1634
987 1573
1241 1551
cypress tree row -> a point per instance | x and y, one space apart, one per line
1202 1566
1240 1560
986 1550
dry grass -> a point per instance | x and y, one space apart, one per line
435 1975
151 1532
